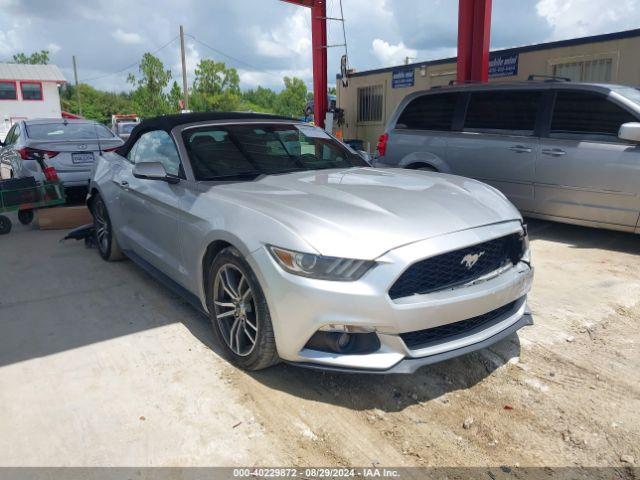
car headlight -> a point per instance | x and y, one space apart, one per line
524 245
320 267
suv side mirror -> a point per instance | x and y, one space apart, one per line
630 131
153 171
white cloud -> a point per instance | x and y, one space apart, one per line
292 36
388 54
578 18
126 37
9 42
53 47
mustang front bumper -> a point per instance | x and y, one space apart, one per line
300 307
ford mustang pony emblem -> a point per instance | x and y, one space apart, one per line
470 259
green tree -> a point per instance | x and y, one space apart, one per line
262 98
148 97
96 104
36 58
215 87
292 99
174 97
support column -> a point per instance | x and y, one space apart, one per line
474 35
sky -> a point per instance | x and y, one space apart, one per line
268 39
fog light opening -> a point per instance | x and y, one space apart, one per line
344 342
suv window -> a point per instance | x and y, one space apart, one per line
588 116
429 112
157 146
503 112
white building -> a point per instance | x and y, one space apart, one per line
28 91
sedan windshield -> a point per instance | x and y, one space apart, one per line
68 131
248 151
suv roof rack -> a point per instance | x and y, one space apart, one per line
549 78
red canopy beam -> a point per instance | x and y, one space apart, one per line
319 45
474 35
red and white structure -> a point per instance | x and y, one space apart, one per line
28 91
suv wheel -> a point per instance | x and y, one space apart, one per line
105 239
239 312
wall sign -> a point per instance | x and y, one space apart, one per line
403 78
503 65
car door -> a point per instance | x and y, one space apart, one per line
498 143
7 154
151 208
584 170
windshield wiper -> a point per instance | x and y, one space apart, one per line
236 176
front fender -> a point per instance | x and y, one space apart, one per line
427 159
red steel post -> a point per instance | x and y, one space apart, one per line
474 35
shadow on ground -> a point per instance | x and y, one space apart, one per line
583 237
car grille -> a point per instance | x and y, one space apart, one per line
452 269
436 335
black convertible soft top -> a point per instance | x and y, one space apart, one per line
168 122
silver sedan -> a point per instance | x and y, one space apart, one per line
298 251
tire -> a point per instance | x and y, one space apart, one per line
105 239
25 216
5 225
246 313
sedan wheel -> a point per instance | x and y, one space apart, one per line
235 310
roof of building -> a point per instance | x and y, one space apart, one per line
510 51
19 71
168 122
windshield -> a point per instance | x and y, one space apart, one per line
631 93
68 131
126 127
248 151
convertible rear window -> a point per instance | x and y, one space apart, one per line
68 131
225 152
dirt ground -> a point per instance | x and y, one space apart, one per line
100 365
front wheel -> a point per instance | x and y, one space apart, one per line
239 312
105 238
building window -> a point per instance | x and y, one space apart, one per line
31 90
586 71
8 90
370 104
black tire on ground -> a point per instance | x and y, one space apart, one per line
5 225
25 216
263 353
105 239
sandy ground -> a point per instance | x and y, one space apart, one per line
100 365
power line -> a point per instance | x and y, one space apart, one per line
130 66
237 60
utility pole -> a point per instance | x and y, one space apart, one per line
185 87
75 75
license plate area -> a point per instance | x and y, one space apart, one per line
82 157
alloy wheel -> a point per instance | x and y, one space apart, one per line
102 226
235 310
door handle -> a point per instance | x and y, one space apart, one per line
124 183
554 152
520 149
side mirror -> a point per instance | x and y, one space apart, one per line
365 155
153 171
630 132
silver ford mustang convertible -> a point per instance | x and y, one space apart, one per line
299 251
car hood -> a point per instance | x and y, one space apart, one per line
364 212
